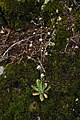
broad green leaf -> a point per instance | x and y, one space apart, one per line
34 88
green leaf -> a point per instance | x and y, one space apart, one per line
41 97
39 85
45 95
34 88
45 86
48 88
35 93
38 82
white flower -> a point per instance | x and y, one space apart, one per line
30 45
59 18
28 57
42 49
34 33
51 43
35 29
1 70
57 10
53 26
40 39
76 47
41 27
76 99
2 32
40 18
73 109
48 33
70 9
38 67
46 53
67 39
42 75
46 1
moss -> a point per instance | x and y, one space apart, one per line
15 91
19 14
17 102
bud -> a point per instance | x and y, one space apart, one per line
38 67
42 75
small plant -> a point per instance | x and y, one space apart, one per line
41 89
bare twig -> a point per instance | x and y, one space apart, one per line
17 43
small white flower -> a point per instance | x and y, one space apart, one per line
42 75
30 45
57 10
38 67
1 70
59 18
40 18
48 33
76 47
34 33
28 57
46 53
51 43
36 29
42 49
41 27
70 9
76 99
53 26
2 32
40 39
67 39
